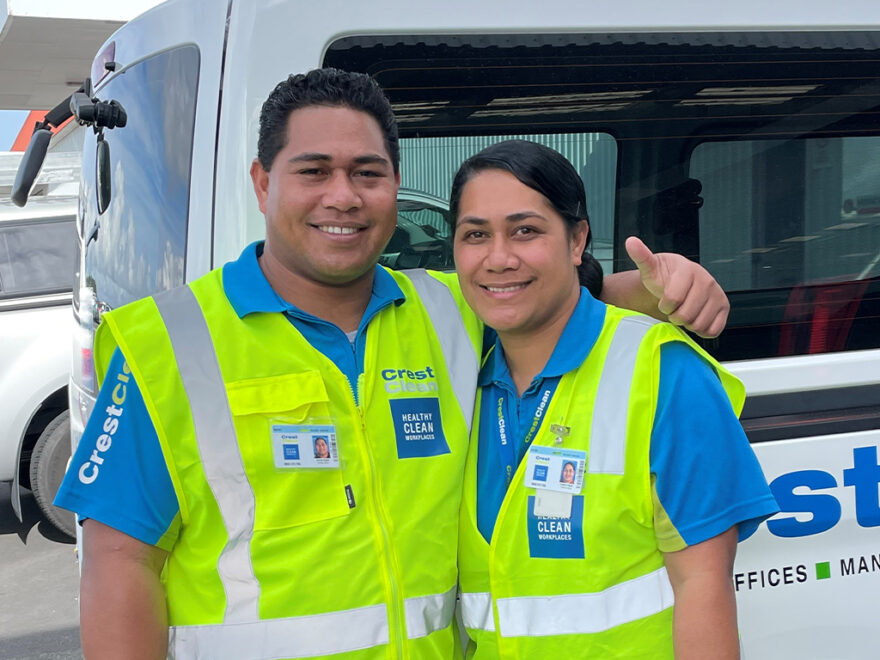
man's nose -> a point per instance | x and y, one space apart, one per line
341 193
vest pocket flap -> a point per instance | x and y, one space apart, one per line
275 393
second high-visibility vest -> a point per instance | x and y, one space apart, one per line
611 597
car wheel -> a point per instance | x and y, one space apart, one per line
48 465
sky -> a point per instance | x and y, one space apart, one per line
10 125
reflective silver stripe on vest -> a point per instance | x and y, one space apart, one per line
462 361
427 614
293 637
574 614
476 611
608 430
218 447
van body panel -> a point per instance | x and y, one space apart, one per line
813 593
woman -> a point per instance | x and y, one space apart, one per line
589 570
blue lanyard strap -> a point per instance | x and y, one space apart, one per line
508 450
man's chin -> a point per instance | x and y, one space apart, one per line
345 276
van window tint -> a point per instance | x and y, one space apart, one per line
36 257
789 213
428 165
140 244
753 152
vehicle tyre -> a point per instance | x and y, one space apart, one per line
48 465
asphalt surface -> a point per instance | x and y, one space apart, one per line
39 586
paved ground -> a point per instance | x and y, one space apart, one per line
39 579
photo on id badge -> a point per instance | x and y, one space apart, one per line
304 445
555 469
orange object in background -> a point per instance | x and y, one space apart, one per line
27 129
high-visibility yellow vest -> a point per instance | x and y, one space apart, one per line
616 601
357 562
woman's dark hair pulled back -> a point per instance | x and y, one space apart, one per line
546 171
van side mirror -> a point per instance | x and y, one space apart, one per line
30 166
102 173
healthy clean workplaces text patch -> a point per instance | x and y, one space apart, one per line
418 427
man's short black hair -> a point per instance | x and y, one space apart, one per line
328 87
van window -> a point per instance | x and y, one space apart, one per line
754 153
428 165
140 244
36 257
787 224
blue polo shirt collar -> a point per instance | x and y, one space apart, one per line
249 291
575 343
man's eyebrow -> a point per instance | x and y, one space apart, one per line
309 157
368 159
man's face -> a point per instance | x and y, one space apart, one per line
330 197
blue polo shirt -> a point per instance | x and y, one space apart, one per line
132 491
695 432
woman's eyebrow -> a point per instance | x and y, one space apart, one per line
524 215
472 220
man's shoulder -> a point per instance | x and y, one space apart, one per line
406 278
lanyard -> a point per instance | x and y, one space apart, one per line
506 444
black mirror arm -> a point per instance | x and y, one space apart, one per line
32 161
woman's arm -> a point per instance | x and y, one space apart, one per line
704 620
669 287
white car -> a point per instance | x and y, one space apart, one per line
37 259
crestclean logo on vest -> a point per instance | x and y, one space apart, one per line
407 380
89 470
418 428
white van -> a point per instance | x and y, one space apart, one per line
37 256
731 133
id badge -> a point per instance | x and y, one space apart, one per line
555 469
304 446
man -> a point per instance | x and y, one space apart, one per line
210 531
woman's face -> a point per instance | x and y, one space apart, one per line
513 253
321 450
568 473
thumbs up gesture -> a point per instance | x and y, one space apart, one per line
685 291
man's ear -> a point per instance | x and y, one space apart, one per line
260 179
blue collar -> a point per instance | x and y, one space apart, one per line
575 343
249 291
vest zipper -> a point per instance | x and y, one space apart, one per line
396 627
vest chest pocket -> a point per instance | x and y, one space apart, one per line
290 496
